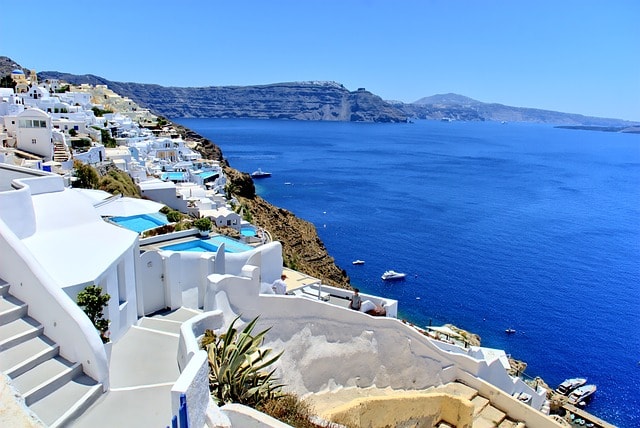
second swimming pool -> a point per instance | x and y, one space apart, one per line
210 245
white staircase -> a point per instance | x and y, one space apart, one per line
55 389
61 152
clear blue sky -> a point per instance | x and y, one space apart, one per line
578 56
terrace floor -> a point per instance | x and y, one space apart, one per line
143 369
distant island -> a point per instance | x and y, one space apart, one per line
319 100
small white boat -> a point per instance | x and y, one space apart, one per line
357 262
509 331
392 275
259 173
569 385
581 395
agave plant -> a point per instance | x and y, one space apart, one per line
238 366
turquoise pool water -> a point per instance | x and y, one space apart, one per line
206 174
173 176
248 231
142 222
210 245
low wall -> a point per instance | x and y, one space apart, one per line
193 382
408 410
369 351
246 417
192 330
508 404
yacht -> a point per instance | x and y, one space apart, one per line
260 174
570 384
357 262
580 395
391 275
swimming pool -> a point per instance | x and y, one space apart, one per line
142 222
248 231
207 174
173 176
210 245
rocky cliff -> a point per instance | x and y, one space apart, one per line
458 107
294 100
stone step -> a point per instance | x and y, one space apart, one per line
45 378
479 404
67 402
181 314
24 356
11 309
4 287
489 417
160 324
507 423
19 331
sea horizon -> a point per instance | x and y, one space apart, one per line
497 226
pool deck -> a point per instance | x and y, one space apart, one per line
157 246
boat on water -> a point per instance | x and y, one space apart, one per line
393 275
357 262
580 395
259 173
510 331
569 385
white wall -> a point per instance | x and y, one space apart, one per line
370 351
63 321
35 140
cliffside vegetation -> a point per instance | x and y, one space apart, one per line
108 178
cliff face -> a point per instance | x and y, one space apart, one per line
459 107
296 100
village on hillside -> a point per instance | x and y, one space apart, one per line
99 195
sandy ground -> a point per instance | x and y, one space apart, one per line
325 402
13 412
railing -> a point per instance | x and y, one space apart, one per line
181 420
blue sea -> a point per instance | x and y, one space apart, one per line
497 226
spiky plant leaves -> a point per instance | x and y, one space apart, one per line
238 366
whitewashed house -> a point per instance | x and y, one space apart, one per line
33 132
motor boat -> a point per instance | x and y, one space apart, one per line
580 395
357 262
393 275
510 331
259 173
569 385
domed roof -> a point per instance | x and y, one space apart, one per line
17 71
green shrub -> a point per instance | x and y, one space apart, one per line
86 176
203 224
174 216
93 302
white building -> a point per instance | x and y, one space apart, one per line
33 132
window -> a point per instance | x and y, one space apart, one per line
34 141
28 123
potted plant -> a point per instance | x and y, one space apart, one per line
203 224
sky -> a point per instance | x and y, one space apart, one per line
574 56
